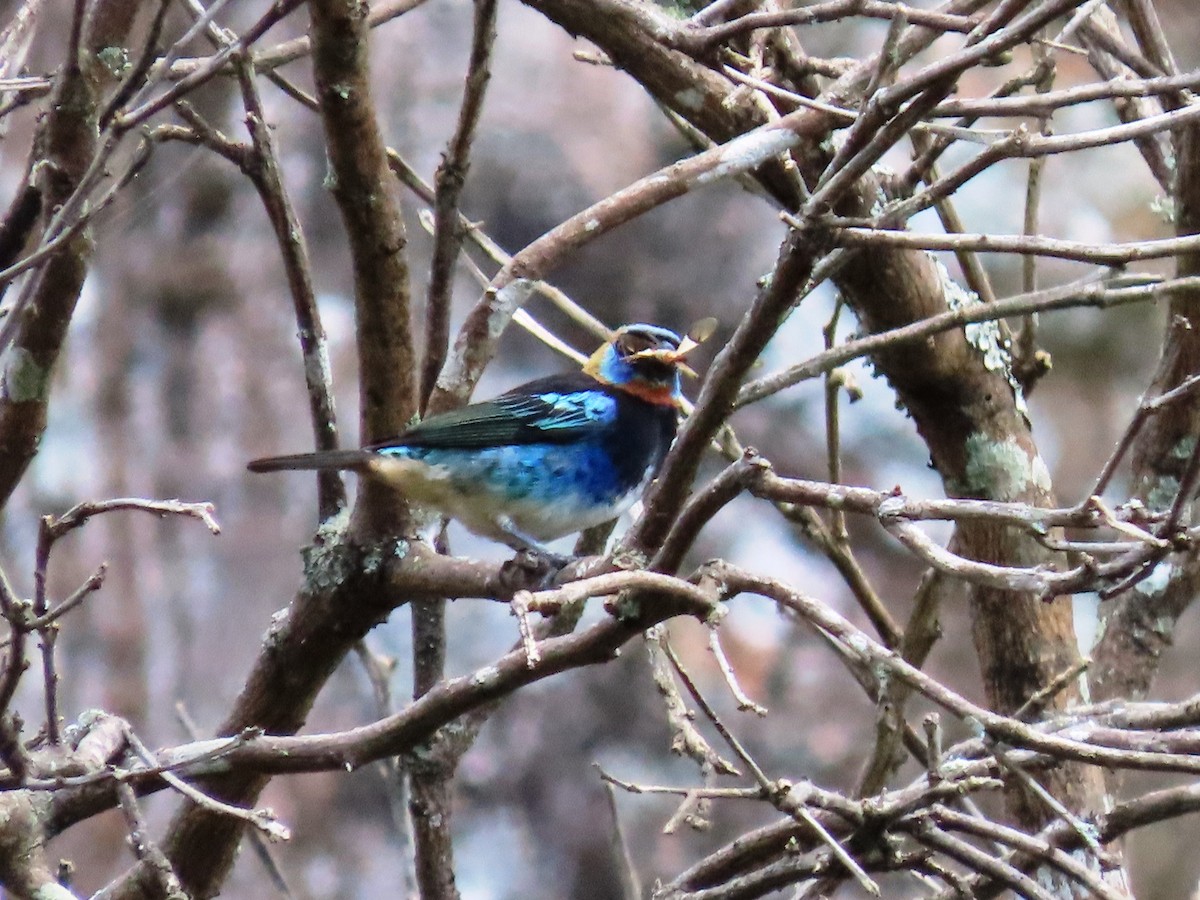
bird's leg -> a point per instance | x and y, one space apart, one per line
534 567
522 542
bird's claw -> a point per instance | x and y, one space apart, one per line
532 569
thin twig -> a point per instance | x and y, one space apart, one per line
780 794
144 847
687 739
262 819
519 605
718 652
1089 293
450 180
925 831
258 842
1052 856
631 886
849 233
380 669
263 168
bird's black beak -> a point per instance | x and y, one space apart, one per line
675 356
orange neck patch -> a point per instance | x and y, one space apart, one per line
658 395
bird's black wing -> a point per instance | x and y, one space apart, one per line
558 409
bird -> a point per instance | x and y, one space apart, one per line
549 458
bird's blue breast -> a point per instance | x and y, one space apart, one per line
562 455
541 472
546 490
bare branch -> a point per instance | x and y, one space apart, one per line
451 178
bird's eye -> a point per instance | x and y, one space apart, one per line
631 343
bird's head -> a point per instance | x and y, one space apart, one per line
644 360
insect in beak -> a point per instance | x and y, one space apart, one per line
697 335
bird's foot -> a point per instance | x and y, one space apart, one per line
532 569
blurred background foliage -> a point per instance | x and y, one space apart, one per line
183 364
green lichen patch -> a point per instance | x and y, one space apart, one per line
1161 492
25 379
1000 470
1185 447
989 338
327 561
116 60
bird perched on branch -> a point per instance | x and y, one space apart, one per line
549 458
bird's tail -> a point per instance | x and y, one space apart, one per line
325 459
